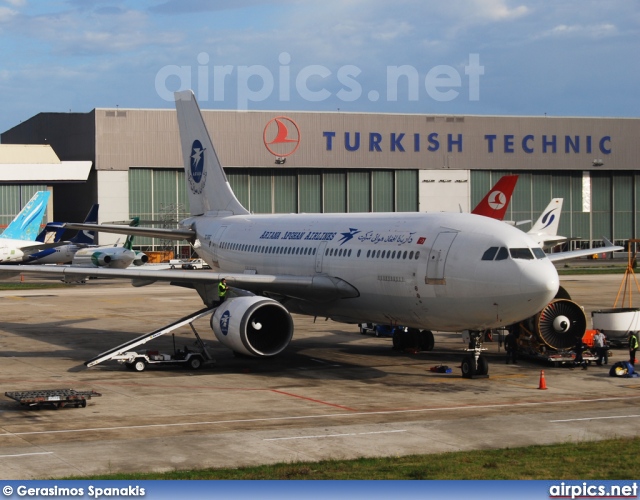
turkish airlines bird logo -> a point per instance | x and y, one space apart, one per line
281 136
497 200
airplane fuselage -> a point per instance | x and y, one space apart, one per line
11 250
112 257
419 270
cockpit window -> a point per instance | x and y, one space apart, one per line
539 253
490 253
521 253
503 254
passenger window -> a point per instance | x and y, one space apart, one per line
521 253
417 255
490 253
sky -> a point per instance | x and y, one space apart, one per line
472 57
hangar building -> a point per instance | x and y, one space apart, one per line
351 162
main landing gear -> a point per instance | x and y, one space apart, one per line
474 364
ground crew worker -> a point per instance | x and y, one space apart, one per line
222 290
600 344
511 346
579 349
633 347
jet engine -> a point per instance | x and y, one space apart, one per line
558 325
141 259
253 326
99 259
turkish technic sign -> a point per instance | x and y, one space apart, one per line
434 141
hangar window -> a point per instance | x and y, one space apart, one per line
521 253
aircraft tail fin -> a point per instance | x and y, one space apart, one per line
495 203
207 185
26 225
52 233
85 237
128 243
547 223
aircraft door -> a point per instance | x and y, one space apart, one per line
217 238
320 256
438 258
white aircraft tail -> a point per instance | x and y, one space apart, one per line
548 222
207 184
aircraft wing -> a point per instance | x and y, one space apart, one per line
574 254
168 234
302 287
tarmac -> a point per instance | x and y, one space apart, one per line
333 394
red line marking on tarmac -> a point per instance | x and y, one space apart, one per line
312 400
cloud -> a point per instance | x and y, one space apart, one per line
97 32
7 14
499 10
577 30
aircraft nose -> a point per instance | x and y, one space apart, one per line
541 281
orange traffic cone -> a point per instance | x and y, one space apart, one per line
543 382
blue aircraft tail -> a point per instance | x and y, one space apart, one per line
85 237
26 224
82 238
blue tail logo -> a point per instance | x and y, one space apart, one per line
197 174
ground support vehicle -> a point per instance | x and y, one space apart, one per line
191 358
56 398
195 264
556 358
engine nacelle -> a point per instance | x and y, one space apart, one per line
141 259
559 324
100 259
254 326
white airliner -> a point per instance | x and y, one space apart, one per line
64 253
426 271
115 257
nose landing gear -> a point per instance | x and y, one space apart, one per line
474 364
